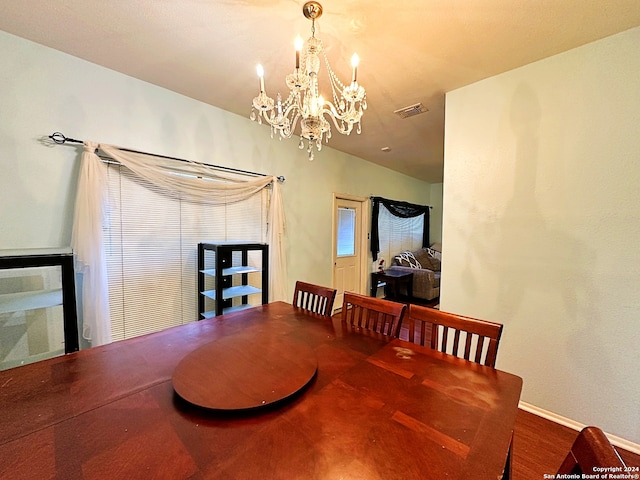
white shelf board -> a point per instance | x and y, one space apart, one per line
232 292
210 293
240 269
18 362
239 291
18 302
232 270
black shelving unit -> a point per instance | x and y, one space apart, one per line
223 276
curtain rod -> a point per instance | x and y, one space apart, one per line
371 197
60 139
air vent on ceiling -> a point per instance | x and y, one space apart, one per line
411 110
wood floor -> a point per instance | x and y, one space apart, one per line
540 445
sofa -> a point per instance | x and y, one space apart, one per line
425 266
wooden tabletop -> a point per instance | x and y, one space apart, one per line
376 409
253 369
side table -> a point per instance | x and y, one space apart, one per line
394 280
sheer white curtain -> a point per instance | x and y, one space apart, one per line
204 184
88 246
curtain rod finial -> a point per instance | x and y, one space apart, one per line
60 139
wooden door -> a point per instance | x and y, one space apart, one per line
348 252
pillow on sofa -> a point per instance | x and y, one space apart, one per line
407 259
435 250
427 260
433 264
422 255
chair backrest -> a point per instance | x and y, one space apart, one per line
590 449
314 298
468 338
370 313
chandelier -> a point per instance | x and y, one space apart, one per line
305 104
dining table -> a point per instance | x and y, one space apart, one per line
269 392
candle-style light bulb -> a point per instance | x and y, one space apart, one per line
355 60
260 72
298 45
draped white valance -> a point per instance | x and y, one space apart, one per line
203 183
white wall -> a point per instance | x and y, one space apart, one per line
43 90
542 226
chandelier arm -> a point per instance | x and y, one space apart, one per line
293 124
343 130
344 115
287 130
290 110
269 118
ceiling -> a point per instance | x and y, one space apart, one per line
411 51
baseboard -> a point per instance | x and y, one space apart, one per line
567 422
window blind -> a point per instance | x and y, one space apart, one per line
398 234
346 241
151 247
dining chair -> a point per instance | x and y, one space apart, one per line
314 298
374 314
590 449
450 333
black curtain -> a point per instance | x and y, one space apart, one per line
399 209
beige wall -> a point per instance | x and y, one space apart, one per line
435 225
42 91
541 226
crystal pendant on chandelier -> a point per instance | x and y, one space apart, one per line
304 103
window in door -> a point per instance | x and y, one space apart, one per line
346 235
348 247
